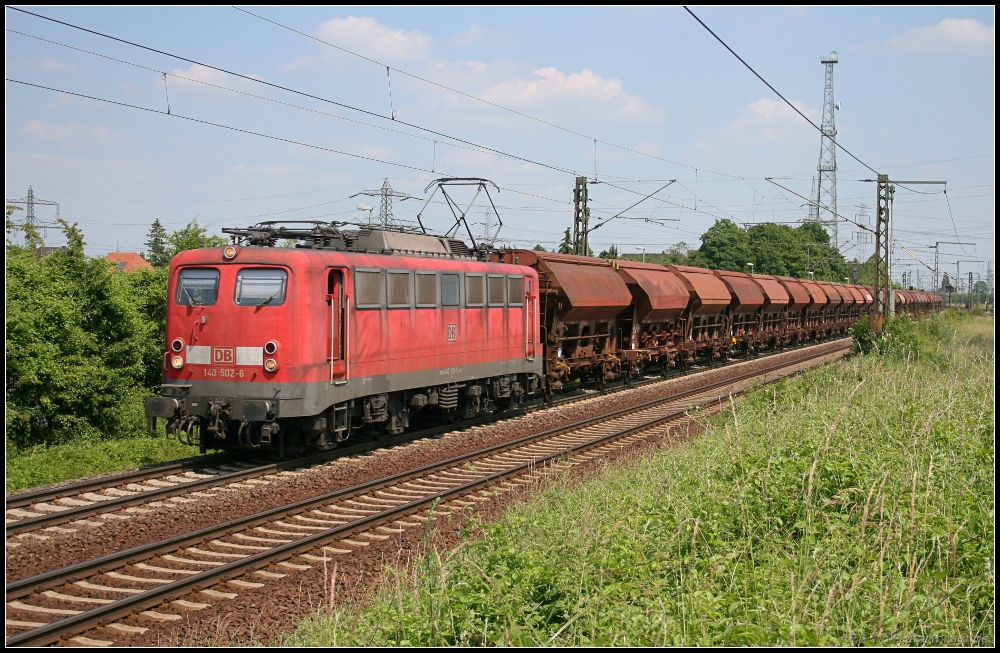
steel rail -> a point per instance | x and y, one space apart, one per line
70 625
74 513
28 497
145 496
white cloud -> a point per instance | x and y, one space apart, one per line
370 37
962 35
374 152
70 135
649 147
268 170
763 124
550 86
196 78
47 65
471 36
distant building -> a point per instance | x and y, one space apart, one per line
128 261
45 251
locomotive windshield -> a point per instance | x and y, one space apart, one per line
261 287
197 287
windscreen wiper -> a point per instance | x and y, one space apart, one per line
189 295
268 300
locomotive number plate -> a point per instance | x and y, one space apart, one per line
452 333
224 372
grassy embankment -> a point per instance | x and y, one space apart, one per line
42 465
851 505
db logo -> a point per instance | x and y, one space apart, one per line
452 333
223 355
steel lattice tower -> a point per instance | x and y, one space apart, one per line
826 189
386 195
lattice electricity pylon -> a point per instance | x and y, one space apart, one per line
826 188
883 250
30 201
386 195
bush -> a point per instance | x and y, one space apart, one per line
83 345
898 339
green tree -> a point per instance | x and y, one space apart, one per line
676 254
566 246
611 252
83 344
776 249
192 236
538 248
156 245
725 246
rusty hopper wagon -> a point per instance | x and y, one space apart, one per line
744 311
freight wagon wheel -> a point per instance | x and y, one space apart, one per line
547 392
627 377
663 366
599 380
682 364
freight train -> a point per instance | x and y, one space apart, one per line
353 332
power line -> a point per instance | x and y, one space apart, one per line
240 199
302 93
259 134
479 99
768 84
253 95
220 125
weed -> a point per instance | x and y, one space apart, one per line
850 505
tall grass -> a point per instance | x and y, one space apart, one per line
851 505
41 465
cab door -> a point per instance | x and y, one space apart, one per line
530 320
338 326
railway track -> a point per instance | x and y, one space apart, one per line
163 580
126 493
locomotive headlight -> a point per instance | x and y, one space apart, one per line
270 365
177 346
177 362
229 253
270 347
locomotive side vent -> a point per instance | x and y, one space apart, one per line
457 247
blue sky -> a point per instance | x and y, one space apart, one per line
916 87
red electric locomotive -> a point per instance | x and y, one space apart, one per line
294 348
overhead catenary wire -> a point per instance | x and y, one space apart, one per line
776 92
302 93
220 125
451 142
483 100
416 168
